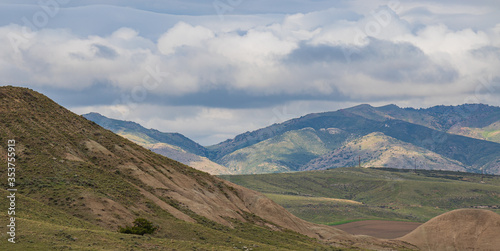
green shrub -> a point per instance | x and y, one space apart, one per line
141 227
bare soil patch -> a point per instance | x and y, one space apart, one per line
380 228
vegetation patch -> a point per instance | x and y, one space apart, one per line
141 227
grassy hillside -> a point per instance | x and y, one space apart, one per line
490 133
391 194
78 183
285 152
45 227
320 121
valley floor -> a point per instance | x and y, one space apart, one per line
379 228
343 195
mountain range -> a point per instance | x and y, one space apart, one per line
386 136
457 138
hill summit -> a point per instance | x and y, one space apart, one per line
463 229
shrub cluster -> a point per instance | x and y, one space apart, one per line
141 227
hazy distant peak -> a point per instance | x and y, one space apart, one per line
389 107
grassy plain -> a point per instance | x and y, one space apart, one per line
370 193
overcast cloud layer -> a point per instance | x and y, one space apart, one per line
211 70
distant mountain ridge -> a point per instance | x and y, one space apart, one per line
153 135
442 118
172 145
444 132
459 138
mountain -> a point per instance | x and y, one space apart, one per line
471 120
322 122
77 183
148 136
172 145
429 136
283 153
378 150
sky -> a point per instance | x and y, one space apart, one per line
214 69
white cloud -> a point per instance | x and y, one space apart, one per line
196 58
360 51
440 39
183 34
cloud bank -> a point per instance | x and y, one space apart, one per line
225 68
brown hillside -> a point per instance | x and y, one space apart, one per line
73 165
463 229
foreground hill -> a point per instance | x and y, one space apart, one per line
463 229
172 145
403 137
345 194
77 183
